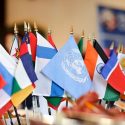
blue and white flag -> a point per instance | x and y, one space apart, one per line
68 70
44 85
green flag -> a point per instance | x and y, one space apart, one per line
54 102
80 45
111 94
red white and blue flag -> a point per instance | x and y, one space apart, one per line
113 74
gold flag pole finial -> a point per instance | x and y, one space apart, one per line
89 38
112 45
29 27
122 48
15 29
83 34
35 27
25 27
118 48
49 30
93 36
71 30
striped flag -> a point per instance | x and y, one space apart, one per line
110 94
68 70
94 64
24 83
53 102
44 85
113 74
7 70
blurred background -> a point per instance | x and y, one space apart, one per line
59 15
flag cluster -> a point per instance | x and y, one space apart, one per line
37 66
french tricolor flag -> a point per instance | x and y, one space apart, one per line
113 74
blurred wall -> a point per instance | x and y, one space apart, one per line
60 15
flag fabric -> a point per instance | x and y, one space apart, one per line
53 102
7 70
110 94
121 58
2 81
7 106
113 74
24 83
80 45
30 40
68 70
33 45
14 52
50 40
44 85
94 64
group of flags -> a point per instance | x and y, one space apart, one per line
37 67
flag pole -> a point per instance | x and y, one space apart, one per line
71 30
16 36
4 120
15 109
49 31
119 48
83 34
122 48
9 114
29 28
17 115
36 98
71 33
35 27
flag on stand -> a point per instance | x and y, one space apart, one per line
14 52
94 64
44 85
110 94
71 73
24 83
113 74
7 70
53 102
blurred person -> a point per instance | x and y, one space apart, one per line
108 20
